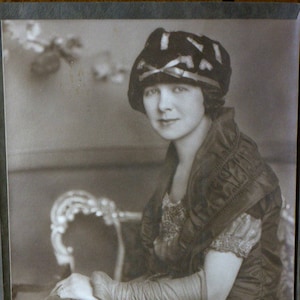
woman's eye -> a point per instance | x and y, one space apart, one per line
151 91
179 89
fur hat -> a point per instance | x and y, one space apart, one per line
170 57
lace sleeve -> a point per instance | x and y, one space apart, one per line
240 237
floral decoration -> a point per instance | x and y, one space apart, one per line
49 52
106 70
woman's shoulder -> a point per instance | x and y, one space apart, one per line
234 183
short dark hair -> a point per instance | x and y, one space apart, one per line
213 100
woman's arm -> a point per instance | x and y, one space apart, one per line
221 269
189 288
212 283
224 259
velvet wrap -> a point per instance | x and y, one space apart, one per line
228 178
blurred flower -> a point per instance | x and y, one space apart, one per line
108 70
26 36
117 78
8 28
102 71
49 60
50 52
69 48
33 30
46 63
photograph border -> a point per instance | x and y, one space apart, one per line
126 10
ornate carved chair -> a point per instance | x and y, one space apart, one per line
64 211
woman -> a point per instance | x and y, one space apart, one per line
210 229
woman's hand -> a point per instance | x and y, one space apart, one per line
167 250
104 286
76 286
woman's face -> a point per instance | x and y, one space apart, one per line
174 110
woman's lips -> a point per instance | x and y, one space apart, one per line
166 122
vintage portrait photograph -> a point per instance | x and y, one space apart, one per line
151 159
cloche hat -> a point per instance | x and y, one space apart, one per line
170 57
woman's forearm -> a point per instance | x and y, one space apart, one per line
191 287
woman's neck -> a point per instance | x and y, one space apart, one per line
188 146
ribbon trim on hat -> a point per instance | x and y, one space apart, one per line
176 72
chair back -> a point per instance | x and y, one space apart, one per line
71 203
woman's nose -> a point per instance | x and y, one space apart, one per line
165 102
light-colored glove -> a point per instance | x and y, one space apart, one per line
191 287
76 286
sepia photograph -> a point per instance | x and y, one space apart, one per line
151 158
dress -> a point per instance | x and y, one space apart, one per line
229 179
